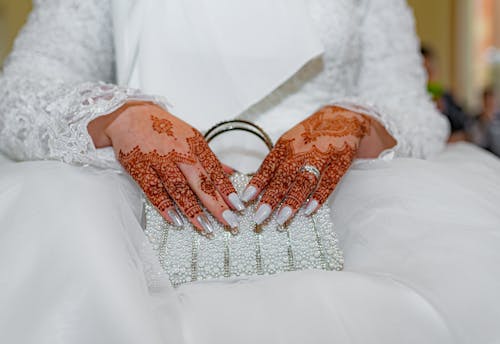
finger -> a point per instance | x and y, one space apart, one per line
154 190
302 187
216 174
277 189
178 188
228 169
207 193
334 173
266 171
147 179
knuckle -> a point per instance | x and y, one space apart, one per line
225 186
191 210
294 202
259 180
164 204
273 196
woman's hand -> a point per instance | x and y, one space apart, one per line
307 161
173 164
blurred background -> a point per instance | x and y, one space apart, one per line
461 42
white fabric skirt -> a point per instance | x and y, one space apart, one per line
422 256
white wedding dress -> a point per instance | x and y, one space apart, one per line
421 237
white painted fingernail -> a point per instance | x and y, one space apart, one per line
284 215
249 193
262 213
208 228
230 218
236 202
176 218
311 207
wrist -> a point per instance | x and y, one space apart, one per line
98 127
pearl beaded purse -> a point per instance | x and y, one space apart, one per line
186 256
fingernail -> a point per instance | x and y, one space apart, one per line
176 218
311 207
262 213
234 231
236 202
248 193
284 215
230 218
208 228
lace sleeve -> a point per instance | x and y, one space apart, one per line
56 81
392 82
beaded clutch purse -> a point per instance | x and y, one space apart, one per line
186 256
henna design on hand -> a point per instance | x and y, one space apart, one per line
136 162
166 183
162 126
337 126
288 171
328 140
173 164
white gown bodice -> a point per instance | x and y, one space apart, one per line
60 76
333 76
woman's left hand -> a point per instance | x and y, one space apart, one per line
307 162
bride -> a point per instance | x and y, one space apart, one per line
103 100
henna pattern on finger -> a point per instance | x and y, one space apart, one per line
162 126
177 186
199 147
207 186
281 151
340 164
280 184
287 172
302 188
140 170
336 126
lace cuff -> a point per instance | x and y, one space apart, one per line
67 136
46 121
70 141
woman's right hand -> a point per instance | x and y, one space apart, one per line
172 163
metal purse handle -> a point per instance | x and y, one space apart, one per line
238 124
